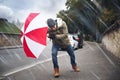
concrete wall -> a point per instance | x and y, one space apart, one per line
111 40
9 39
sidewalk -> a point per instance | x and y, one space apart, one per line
10 47
2 77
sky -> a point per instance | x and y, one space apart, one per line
20 9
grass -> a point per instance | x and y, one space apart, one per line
6 27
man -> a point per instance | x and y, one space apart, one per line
58 32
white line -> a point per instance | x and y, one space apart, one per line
90 46
106 55
28 66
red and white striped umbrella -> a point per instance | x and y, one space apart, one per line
33 35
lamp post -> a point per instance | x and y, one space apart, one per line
95 2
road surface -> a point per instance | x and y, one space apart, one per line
92 60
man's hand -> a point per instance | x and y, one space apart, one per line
52 36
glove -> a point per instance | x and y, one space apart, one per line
52 36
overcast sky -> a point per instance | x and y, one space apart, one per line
19 9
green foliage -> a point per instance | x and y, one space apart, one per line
110 12
90 17
6 27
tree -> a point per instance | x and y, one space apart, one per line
91 17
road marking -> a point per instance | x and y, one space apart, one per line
105 55
28 66
90 47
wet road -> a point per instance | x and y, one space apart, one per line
92 60
12 59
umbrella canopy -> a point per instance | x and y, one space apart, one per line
33 35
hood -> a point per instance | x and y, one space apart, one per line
59 22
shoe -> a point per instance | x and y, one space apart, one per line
56 72
76 69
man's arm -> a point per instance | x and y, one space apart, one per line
64 31
51 33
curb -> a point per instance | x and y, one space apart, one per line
11 47
2 77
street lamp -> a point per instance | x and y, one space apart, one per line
95 2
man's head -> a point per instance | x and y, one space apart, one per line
50 22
